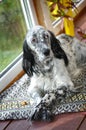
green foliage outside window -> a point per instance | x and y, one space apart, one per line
12 31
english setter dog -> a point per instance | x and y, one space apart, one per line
51 63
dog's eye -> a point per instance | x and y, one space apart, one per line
33 40
46 36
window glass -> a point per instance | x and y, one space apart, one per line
12 31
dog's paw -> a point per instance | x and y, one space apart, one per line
42 113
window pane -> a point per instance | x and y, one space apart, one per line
12 31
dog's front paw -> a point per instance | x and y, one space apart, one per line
42 113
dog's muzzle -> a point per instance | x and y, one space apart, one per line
48 58
46 52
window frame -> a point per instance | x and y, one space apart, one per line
15 68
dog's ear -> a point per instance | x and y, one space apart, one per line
56 48
28 59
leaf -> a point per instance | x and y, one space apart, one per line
61 13
56 15
52 7
60 5
71 4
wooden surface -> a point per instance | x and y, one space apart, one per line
72 121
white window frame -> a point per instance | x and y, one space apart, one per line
12 70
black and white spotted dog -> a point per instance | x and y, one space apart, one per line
51 63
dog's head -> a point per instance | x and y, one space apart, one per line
38 40
41 46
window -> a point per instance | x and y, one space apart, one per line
12 31
16 18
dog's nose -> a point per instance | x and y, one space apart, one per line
46 52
